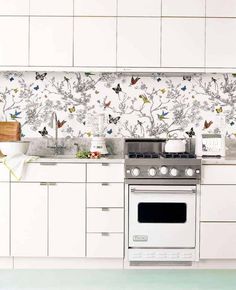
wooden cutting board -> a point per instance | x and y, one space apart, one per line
10 131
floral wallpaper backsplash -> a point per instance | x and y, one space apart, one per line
133 106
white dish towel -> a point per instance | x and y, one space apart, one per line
16 163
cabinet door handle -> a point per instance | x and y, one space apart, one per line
48 163
105 208
43 183
105 164
105 234
105 184
52 183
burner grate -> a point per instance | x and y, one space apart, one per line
185 155
143 155
179 155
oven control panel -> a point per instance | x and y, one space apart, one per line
182 255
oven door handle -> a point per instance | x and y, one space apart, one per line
133 190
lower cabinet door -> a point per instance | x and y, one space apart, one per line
105 245
4 219
67 220
218 241
28 220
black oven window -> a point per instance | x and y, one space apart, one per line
162 212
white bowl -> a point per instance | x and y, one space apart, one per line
14 147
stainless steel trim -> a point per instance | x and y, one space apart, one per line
48 163
105 234
133 190
162 181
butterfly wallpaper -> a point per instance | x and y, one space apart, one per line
156 105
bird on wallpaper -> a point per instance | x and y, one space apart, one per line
219 110
163 116
190 133
184 88
231 123
158 80
15 91
89 74
16 115
144 98
11 79
107 104
207 124
134 81
162 91
109 131
60 124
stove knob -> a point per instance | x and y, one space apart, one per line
135 171
163 170
152 171
174 172
189 172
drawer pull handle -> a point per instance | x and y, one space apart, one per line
52 183
105 234
105 184
43 183
48 163
105 164
105 209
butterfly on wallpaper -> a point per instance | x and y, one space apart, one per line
36 88
40 76
107 104
163 116
134 81
207 124
118 89
44 132
139 123
11 79
15 91
219 110
190 133
184 88
66 79
113 120
232 123
214 80
109 131
97 92
89 134
187 78
158 80
144 98
88 74
72 109
60 124
84 123
16 115
162 91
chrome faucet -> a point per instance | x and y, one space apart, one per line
58 149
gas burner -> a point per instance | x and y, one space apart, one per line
143 155
178 155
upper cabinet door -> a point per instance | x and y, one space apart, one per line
95 8
220 43
220 8
14 7
14 33
138 42
183 8
95 41
51 7
139 8
51 41
183 41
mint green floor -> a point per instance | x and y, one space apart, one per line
114 279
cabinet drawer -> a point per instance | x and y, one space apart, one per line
105 246
105 172
54 172
219 174
105 195
218 203
105 220
4 173
218 240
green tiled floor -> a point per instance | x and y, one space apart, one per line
113 280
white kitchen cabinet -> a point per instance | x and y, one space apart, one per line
217 241
218 174
105 172
109 220
14 7
4 219
183 42
95 7
67 220
220 43
51 7
14 41
220 8
139 8
186 8
105 195
28 220
95 41
218 203
51 41
54 172
105 245
4 173
138 42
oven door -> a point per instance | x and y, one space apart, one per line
162 216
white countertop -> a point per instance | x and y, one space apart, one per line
227 160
